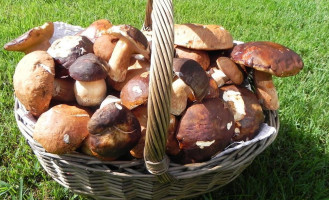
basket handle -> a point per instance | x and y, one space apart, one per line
161 73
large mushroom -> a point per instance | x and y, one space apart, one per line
114 131
267 58
205 129
34 81
131 41
191 79
248 113
67 49
35 39
89 72
62 129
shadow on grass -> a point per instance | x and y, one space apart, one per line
294 166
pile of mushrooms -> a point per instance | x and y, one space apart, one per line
89 91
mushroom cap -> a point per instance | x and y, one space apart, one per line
136 91
88 68
34 81
104 46
248 113
193 75
202 37
96 29
67 49
134 36
230 69
31 40
62 128
114 131
269 57
63 90
205 129
199 56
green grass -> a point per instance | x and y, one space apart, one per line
295 166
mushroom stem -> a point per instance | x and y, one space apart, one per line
120 60
219 76
90 93
265 90
179 95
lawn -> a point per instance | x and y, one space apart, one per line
295 166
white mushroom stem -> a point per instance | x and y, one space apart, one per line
179 95
120 60
90 93
108 100
219 76
265 90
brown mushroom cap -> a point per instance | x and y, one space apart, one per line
248 113
202 37
67 49
193 75
34 81
104 46
205 129
268 57
136 91
96 29
63 90
36 38
114 131
199 56
88 67
230 69
61 129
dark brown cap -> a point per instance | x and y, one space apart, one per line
268 57
88 67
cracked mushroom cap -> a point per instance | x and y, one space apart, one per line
205 129
202 37
35 39
268 57
192 74
114 131
67 49
62 129
34 81
248 113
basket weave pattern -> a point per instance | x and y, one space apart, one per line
131 179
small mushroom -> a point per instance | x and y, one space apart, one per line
198 55
114 131
67 49
35 39
96 29
191 78
104 46
248 113
226 70
131 41
34 81
62 129
90 87
136 91
205 129
271 58
202 37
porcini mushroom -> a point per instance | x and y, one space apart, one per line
202 37
198 55
61 129
35 39
104 46
191 78
114 131
34 81
205 129
67 49
89 72
63 90
226 70
131 41
96 29
248 113
271 58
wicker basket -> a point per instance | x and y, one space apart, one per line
152 177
